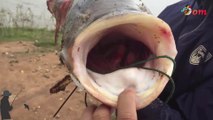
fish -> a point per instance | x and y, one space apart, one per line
102 39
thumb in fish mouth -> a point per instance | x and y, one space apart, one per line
95 49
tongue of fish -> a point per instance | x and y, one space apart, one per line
102 36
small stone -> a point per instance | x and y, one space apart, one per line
20 42
46 76
34 60
71 109
47 70
57 116
14 61
11 69
22 71
24 44
11 56
39 68
36 42
34 71
45 64
38 107
37 59
56 52
60 99
27 51
6 53
54 66
34 108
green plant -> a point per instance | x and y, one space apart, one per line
41 37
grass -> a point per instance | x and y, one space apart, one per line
41 37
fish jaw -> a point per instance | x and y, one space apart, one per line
149 30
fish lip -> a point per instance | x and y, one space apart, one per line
86 81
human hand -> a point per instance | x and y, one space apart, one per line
126 108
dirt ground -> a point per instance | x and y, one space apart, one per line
30 73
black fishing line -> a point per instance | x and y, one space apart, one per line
85 99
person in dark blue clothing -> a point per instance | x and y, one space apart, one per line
191 22
5 106
193 33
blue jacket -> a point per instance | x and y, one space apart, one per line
193 97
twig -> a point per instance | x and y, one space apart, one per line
65 101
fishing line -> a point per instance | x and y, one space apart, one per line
85 99
16 96
151 59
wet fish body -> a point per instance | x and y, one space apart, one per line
104 35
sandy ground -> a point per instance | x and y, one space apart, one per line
23 67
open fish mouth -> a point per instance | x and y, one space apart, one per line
98 47
116 50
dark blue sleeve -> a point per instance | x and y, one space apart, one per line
194 105
197 104
158 110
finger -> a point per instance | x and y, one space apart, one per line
88 113
103 112
127 105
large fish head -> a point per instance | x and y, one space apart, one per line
102 37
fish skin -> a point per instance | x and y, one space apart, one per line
81 13
73 16
84 12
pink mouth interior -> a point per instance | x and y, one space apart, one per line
114 51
